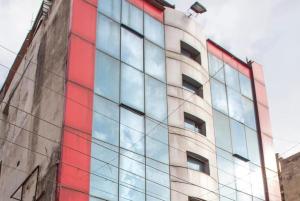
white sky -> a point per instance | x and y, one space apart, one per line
267 31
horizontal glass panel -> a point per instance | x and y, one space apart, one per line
157 131
243 197
222 131
249 113
246 88
130 194
108 36
132 49
133 163
131 180
132 87
154 30
103 188
235 105
157 176
107 76
227 193
238 135
155 61
132 16
219 99
157 191
156 99
106 121
132 131
110 8
232 78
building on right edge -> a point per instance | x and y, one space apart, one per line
289 177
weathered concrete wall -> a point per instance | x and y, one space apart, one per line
31 131
290 177
178 28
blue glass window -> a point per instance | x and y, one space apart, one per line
242 173
107 76
132 16
249 113
235 105
246 88
155 61
253 147
232 78
238 135
106 121
132 87
110 8
108 36
154 30
216 69
156 99
132 131
132 49
219 99
222 131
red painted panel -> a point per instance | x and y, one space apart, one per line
245 70
230 61
81 63
83 21
150 9
261 94
93 2
66 194
269 153
264 119
78 111
258 72
273 185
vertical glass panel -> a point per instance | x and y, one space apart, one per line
108 36
157 176
246 87
219 99
232 77
107 76
157 141
154 30
238 135
249 113
157 191
216 69
104 177
106 121
156 100
227 193
132 49
132 131
243 197
132 16
110 8
225 168
222 131
257 182
155 61
235 105
132 87
253 147
242 173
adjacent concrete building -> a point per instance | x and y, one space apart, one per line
289 177
128 100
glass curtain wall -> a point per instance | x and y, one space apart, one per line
238 155
130 156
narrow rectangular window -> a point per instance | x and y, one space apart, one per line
195 199
197 163
191 52
192 85
195 124
0 167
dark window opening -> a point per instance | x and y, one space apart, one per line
192 85
194 124
190 52
0 167
197 163
195 199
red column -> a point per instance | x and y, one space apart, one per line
74 177
269 160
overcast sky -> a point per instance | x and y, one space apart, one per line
267 31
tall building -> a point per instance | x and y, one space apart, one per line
128 100
289 177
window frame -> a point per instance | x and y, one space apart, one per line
199 124
190 52
188 83
201 160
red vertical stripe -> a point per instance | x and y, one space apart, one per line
74 177
149 9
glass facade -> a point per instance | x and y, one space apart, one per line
130 155
238 152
